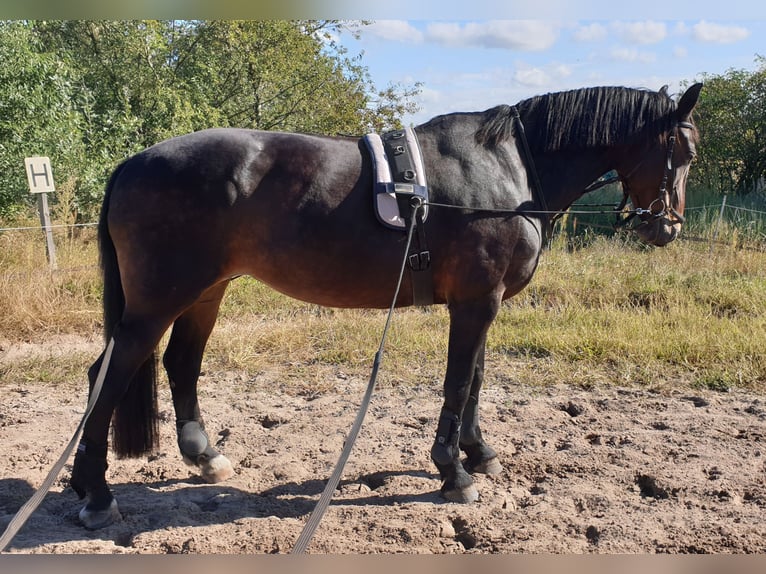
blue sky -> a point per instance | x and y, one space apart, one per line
474 54
473 64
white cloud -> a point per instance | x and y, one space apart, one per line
718 33
633 55
524 35
396 30
532 77
562 70
647 32
430 97
590 33
548 77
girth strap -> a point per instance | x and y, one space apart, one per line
418 257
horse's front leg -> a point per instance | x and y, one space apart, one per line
481 457
469 323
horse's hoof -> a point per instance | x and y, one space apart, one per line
95 519
490 467
464 495
217 469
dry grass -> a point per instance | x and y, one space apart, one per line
35 301
608 312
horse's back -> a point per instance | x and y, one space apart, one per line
293 210
230 170
202 162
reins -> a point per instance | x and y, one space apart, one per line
500 211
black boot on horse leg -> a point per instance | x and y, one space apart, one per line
128 393
197 452
183 360
457 484
481 458
89 481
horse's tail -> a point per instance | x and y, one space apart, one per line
134 425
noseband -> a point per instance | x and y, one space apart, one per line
657 208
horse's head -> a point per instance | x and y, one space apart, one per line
657 185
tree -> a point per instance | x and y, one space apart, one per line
38 114
99 91
731 116
287 75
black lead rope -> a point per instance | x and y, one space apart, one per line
332 483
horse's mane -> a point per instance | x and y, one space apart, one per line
583 118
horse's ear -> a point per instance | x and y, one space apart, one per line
664 90
688 101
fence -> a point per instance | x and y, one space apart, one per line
47 241
722 223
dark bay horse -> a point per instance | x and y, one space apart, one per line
184 217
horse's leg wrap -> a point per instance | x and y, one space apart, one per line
88 480
89 471
481 457
197 451
457 484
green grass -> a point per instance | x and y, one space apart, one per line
599 311
640 315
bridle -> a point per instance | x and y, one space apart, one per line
658 208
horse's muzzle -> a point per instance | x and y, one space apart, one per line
659 231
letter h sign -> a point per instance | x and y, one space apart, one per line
39 174
40 177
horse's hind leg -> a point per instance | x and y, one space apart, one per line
183 360
481 457
134 343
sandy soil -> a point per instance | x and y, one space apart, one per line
617 470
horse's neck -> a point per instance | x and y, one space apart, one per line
564 176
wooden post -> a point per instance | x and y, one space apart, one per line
45 222
718 223
40 178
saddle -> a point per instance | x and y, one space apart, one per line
400 176
399 173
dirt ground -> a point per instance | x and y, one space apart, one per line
618 470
